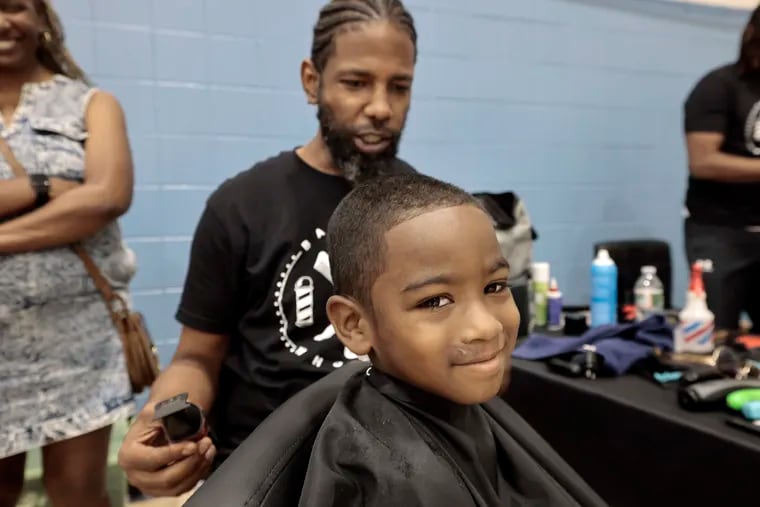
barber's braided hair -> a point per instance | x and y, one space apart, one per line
52 52
337 15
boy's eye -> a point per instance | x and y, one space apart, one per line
497 287
436 302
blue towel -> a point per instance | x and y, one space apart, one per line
620 345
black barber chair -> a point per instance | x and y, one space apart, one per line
630 256
269 467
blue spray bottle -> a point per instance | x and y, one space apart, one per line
603 289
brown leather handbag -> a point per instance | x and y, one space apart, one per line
139 350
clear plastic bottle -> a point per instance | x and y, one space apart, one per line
649 294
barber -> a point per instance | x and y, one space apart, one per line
255 330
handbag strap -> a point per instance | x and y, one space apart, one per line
97 277
92 269
16 167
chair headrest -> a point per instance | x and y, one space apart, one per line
269 467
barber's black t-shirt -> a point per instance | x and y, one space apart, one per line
259 273
727 103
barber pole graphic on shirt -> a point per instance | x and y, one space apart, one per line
307 282
304 289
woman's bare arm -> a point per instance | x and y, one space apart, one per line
105 194
17 196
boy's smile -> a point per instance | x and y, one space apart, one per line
443 318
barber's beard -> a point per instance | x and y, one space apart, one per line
355 165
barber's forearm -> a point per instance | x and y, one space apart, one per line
16 195
186 375
73 216
728 168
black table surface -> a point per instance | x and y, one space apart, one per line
633 444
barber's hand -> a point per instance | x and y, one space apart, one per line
59 186
162 470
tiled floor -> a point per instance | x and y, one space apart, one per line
35 497
160 502
32 499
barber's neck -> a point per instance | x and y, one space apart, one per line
316 154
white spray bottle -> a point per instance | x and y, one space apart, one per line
696 323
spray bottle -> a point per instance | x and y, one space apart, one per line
696 323
554 306
604 276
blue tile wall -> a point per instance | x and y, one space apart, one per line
574 104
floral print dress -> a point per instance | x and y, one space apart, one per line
62 368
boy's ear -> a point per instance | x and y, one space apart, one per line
351 324
310 81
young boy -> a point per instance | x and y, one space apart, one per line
421 288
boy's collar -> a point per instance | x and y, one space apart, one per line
418 399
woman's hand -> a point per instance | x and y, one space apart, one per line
17 196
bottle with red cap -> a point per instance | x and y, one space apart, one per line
554 306
696 323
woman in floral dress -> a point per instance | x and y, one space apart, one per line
63 380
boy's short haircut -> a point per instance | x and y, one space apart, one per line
356 231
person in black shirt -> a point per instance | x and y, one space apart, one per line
722 124
253 308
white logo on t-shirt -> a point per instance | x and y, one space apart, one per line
307 278
752 130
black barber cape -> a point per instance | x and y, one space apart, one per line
386 443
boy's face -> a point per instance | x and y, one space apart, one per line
443 316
